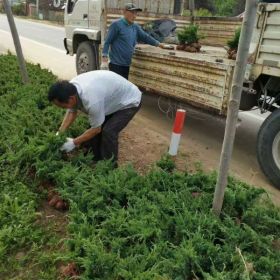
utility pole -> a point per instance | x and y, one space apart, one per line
234 103
14 32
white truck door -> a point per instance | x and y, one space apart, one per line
94 14
76 16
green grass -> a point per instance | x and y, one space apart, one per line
22 243
234 42
122 225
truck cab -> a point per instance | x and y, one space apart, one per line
83 32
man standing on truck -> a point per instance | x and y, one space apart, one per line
109 100
121 39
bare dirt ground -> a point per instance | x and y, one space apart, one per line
143 142
143 149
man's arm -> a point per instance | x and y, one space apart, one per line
111 36
87 135
69 118
145 37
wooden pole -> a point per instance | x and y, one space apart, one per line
14 32
234 103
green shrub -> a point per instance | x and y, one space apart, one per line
22 241
122 225
166 163
189 34
198 13
1 8
202 13
225 7
234 42
19 9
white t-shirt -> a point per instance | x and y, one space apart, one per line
101 93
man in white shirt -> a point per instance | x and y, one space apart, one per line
109 100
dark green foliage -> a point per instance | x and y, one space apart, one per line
202 13
130 226
225 7
122 225
189 34
205 4
23 136
19 9
198 13
222 7
166 163
234 42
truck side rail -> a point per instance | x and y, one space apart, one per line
217 30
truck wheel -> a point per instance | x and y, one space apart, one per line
87 57
268 148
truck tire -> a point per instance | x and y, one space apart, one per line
268 148
87 57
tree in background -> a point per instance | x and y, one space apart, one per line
229 7
222 7
225 7
205 4
240 7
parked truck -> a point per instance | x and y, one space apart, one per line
203 79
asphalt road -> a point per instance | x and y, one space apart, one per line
46 34
203 134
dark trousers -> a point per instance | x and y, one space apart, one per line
105 145
121 70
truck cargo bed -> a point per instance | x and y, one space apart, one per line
200 79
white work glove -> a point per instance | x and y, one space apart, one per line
167 47
104 66
68 146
